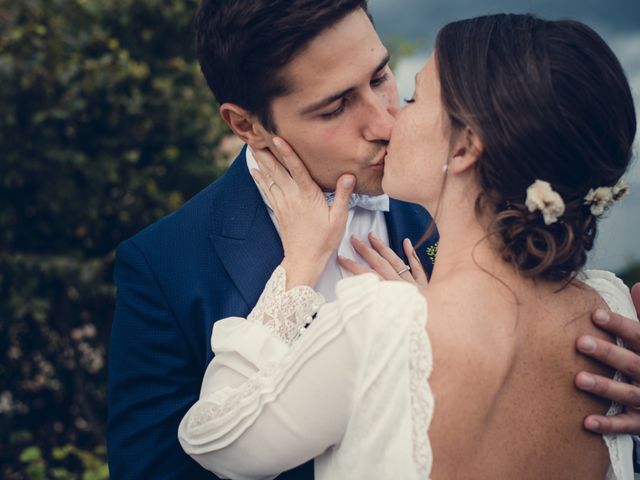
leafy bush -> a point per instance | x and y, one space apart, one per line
631 275
105 126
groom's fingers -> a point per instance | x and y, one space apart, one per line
610 354
628 422
626 394
635 294
625 328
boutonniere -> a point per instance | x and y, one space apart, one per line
432 251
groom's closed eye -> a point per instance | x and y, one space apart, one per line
378 77
375 82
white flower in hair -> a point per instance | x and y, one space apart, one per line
602 198
620 190
599 199
540 196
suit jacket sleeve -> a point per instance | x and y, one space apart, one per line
153 378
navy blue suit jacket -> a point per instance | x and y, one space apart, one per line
208 260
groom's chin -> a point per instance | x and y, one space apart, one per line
369 184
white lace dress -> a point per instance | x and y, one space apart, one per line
348 388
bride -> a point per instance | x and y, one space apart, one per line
515 139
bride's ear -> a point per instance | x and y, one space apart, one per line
467 149
245 125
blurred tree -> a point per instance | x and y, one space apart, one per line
105 126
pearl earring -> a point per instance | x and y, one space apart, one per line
445 167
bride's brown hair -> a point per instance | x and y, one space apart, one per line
549 101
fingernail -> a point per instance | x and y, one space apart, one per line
592 424
278 143
586 381
347 182
587 344
374 236
601 316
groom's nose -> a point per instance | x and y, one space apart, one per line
378 119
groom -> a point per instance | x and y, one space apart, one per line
273 68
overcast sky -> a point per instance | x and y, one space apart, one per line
618 21
420 19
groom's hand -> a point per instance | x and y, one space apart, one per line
626 360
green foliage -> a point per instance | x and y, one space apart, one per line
400 48
105 125
631 275
92 463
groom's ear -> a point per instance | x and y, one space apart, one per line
467 149
245 125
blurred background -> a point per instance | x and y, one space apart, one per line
105 126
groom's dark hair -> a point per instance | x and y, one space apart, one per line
244 44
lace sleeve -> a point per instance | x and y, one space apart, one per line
285 313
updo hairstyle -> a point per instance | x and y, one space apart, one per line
550 101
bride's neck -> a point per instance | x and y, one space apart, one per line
464 244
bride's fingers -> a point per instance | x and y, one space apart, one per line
375 260
417 270
294 165
269 164
265 159
267 185
353 266
340 207
396 263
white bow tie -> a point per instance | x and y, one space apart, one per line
378 203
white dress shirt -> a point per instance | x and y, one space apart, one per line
360 223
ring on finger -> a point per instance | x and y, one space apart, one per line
405 268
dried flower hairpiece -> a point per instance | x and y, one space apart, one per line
540 196
602 198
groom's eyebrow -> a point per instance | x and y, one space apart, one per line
337 96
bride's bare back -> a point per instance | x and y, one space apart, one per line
506 407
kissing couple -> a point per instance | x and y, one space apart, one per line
295 315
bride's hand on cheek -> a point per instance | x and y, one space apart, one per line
310 229
384 262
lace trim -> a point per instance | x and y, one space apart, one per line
210 420
286 314
227 400
422 401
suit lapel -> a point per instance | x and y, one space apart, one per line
408 220
246 240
